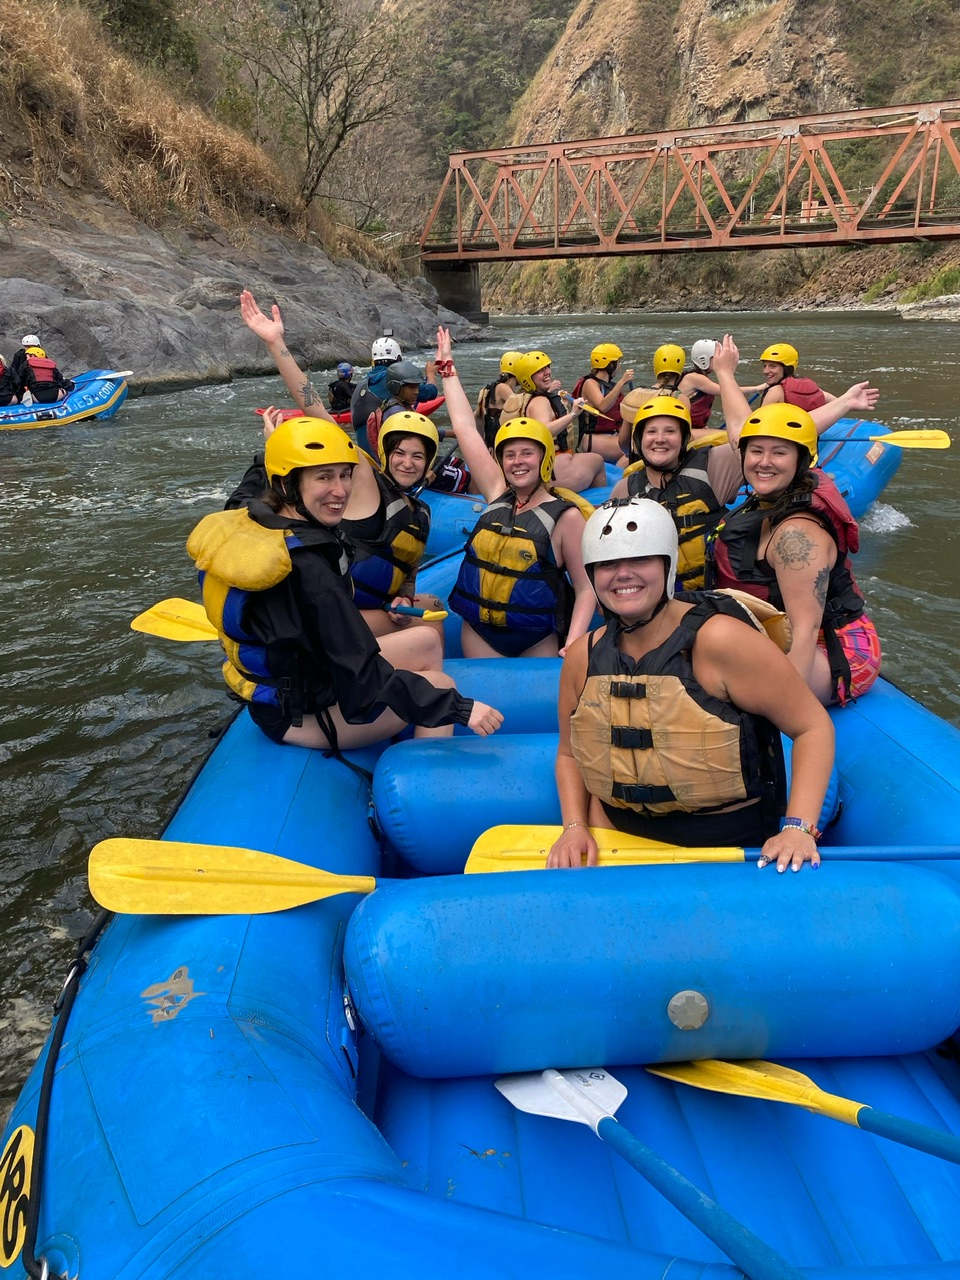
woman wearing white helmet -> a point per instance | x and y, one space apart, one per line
669 713
699 387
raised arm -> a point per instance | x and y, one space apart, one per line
736 408
855 402
484 469
270 332
570 532
592 393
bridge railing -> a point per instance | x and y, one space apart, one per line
862 176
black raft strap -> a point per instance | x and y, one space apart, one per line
623 735
634 794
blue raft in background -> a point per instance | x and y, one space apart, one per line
98 393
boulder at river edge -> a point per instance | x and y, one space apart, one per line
103 291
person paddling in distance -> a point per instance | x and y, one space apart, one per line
275 586
604 390
522 562
698 387
782 386
670 713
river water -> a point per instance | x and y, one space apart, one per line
101 728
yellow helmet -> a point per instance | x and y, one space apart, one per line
604 355
508 361
307 442
782 422
408 423
781 353
668 359
530 362
663 407
528 429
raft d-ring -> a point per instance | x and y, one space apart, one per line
44 1269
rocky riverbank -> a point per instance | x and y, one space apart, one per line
104 291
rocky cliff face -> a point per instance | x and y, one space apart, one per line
629 69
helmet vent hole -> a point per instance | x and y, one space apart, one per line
631 526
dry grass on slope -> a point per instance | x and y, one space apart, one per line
73 107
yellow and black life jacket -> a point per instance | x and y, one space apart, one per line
236 556
509 576
382 564
647 737
689 497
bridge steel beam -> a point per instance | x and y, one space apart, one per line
870 176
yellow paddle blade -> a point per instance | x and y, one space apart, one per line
516 848
758 1079
930 439
175 619
708 441
165 877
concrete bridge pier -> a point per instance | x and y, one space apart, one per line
458 285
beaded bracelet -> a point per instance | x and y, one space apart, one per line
801 826
575 824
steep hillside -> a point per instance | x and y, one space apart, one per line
701 62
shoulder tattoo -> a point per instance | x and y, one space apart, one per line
794 548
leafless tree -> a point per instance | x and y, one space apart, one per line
320 70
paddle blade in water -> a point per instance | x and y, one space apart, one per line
166 877
175 619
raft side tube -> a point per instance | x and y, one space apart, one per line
501 779
497 974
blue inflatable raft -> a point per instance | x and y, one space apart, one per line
313 1089
98 393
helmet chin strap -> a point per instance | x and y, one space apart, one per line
625 629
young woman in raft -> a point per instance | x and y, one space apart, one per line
514 588
299 653
385 521
670 713
790 542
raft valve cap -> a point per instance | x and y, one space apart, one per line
688 1010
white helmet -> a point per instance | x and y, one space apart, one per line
385 349
702 352
625 528
29 340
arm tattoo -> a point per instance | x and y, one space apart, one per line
309 393
821 585
794 548
283 353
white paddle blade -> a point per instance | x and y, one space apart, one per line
582 1094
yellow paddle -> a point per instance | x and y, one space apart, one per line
517 848
165 877
769 1080
584 408
928 439
176 619
525 848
